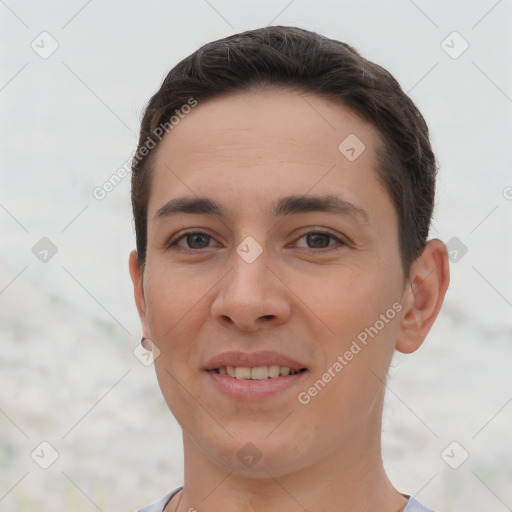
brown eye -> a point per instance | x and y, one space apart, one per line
318 240
198 240
321 240
194 240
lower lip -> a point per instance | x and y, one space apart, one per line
254 389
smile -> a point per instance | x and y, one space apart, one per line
257 373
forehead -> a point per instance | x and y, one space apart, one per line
254 146
242 123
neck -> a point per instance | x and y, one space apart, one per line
341 480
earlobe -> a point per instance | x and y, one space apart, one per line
428 281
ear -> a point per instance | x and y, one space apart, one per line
423 296
137 274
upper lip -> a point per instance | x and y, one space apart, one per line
252 360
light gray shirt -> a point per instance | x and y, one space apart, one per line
159 505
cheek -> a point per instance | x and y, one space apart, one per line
348 300
173 297
171 307
360 306
175 313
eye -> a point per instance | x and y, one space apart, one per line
320 240
193 240
196 240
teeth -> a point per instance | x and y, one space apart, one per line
273 371
257 373
242 372
283 370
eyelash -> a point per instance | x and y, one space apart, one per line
174 244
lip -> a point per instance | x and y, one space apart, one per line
253 360
240 389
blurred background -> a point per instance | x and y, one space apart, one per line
83 425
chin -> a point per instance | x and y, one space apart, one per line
259 456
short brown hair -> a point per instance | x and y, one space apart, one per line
300 59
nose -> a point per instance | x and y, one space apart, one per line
251 296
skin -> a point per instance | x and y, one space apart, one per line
298 298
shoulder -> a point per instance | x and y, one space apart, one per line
415 506
160 503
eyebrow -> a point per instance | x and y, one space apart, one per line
284 206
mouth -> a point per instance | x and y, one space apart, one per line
254 376
258 372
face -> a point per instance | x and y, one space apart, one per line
271 250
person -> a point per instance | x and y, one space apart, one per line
282 192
